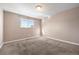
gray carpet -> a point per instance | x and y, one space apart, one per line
39 46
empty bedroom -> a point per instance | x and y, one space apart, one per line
39 28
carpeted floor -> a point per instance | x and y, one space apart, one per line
39 46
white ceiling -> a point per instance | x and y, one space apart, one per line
48 9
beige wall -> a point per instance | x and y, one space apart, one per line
12 30
1 27
64 25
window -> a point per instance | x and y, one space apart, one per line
25 23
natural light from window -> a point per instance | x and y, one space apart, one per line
26 23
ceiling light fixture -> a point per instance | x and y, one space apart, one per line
38 7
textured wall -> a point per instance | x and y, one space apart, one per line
64 25
12 30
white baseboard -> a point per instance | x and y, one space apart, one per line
69 42
20 39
